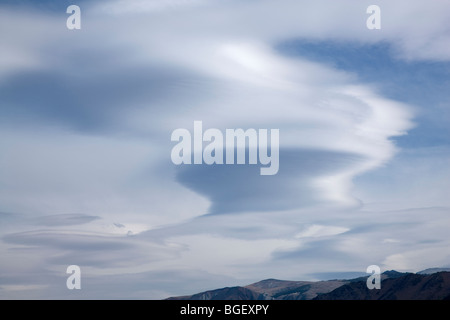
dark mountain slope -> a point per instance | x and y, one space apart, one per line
394 286
411 286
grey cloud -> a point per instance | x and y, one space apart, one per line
319 251
136 285
45 5
6 215
380 226
91 102
241 188
65 248
68 241
65 219
117 258
159 284
248 226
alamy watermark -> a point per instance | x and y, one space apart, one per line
373 21
74 280
74 20
374 280
213 147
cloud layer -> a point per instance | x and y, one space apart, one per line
86 118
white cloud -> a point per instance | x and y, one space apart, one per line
321 231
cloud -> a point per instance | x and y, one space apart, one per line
292 187
101 251
316 107
86 122
65 219
320 231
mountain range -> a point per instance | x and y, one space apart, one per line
429 284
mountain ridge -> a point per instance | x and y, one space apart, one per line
423 285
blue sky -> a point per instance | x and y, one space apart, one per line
86 118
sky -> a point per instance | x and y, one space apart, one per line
86 118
